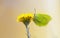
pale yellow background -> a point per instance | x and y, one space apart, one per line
10 9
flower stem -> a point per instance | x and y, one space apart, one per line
27 30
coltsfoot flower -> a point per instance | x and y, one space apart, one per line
25 18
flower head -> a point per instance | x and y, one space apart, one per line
25 18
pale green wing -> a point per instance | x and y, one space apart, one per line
41 19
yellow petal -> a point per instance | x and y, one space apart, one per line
25 16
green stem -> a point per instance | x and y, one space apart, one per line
27 30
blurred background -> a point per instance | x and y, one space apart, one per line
10 9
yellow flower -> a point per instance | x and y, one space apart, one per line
25 17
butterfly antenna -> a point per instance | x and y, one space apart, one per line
34 11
